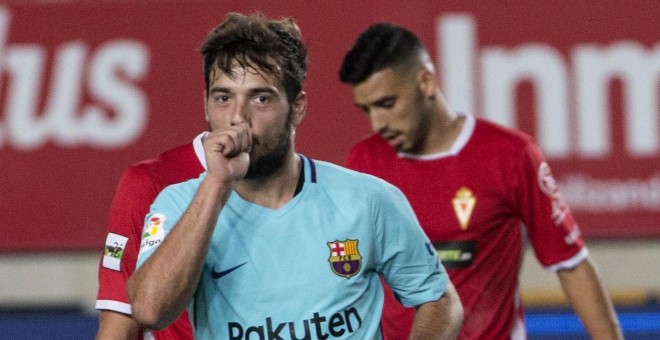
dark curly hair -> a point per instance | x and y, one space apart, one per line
381 46
254 41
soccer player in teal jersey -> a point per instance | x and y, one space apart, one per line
308 268
269 244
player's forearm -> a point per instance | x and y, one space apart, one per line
116 326
161 288
590 301
441 319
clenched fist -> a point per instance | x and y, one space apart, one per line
227 152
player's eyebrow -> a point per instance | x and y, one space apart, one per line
266 89
252 91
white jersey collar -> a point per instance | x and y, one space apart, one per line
460 142
199 148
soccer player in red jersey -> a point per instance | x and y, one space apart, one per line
478 188
137 189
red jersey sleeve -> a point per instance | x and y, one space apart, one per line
551 227
135 193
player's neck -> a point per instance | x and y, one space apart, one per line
276 190
444 129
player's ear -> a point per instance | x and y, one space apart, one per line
427 82
298 108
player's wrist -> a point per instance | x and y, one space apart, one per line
218 180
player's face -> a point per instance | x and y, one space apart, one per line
397 108
260 100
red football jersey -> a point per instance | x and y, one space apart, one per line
476 204
137 189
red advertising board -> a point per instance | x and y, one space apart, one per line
87 88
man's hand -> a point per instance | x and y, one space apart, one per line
227 152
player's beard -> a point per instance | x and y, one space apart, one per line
267 157
417 133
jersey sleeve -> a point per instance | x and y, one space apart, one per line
135 192
408 262
163 215
551 227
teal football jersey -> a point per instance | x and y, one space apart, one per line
309 270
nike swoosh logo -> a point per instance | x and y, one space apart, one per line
217 275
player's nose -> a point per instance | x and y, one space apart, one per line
241 114
378 121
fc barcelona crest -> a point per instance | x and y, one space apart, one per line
345 259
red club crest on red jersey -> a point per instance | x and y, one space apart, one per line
463 204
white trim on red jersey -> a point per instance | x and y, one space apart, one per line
113 305
570 263
460 142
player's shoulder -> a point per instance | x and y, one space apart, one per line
176 157
337 177
171 166
180 193
504 137
372 144
370 154
189 185
328 172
